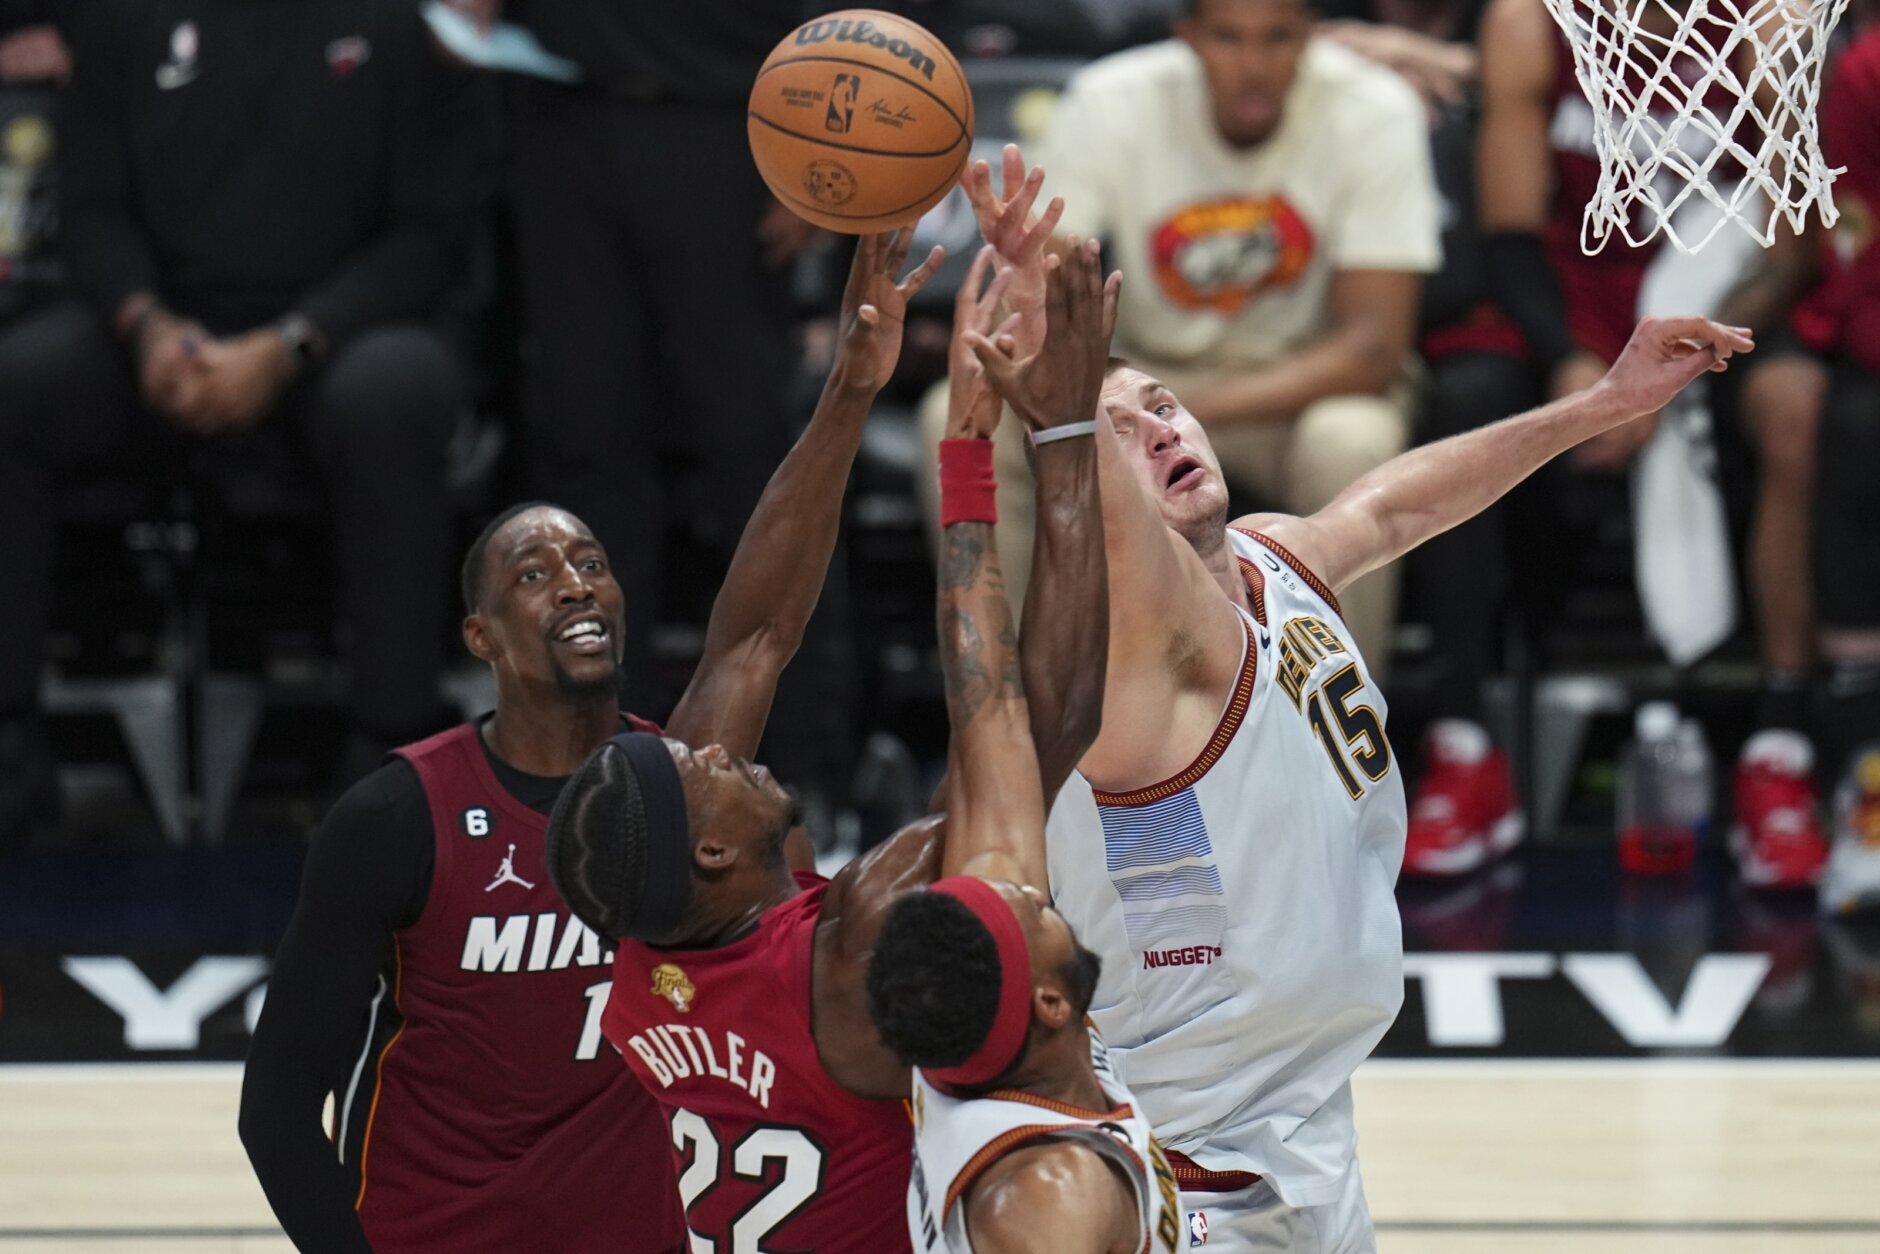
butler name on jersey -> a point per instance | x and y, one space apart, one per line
956 1140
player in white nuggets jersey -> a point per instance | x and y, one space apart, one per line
1252 895
1230 843
952 1136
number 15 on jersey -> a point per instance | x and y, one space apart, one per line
1348 729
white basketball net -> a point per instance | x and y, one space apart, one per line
1713 99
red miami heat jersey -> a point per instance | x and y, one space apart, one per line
497 1118
772 1153
1842 314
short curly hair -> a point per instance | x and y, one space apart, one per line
933 981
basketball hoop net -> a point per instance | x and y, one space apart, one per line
1712 99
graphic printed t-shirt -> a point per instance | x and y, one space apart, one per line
1230 252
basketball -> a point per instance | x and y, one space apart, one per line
860 121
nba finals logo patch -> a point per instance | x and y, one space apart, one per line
1218 255
671 983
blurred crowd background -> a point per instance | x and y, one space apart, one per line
296 294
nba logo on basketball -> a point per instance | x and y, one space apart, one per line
842 95
1197 1227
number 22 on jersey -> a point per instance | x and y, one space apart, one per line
1349 730
754 1157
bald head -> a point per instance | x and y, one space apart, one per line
474 578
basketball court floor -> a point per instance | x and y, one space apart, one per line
1469 1157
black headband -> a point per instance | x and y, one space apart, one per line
654 903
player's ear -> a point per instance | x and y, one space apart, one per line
1050 1007
477 639
711 854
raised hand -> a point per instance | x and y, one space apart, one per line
973 408
1017 237
1663 356
1058 383
874 308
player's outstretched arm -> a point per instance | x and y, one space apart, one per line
1065 692
1392 509
998 793
777 573
1066 557
1055 1198
995 824
992 764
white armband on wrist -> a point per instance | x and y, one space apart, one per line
1069 431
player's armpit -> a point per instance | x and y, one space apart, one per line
854 907
1339 543
1059 1197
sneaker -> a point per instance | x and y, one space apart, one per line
1777 837
1464 813
1851 880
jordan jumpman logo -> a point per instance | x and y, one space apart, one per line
506 873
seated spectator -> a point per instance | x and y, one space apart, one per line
1554 320
1811 405
262 205
1271 194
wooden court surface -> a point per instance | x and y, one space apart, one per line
1719 1157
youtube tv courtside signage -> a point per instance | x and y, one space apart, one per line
164 1004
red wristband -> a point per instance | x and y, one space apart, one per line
969 491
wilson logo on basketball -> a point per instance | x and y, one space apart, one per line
671 983
1220 254
847 31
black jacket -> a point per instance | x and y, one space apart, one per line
244 158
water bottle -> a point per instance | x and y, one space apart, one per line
1694 774
1657 829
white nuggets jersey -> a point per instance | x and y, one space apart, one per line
1252 953
956 1140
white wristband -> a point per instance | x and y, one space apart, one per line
1069 431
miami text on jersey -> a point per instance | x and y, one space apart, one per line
497 943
